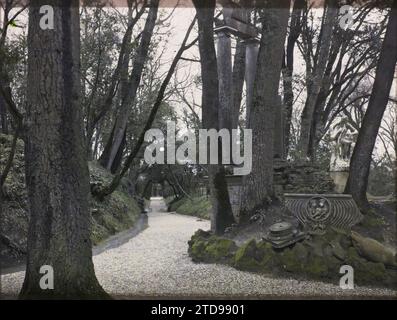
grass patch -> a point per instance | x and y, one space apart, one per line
196 206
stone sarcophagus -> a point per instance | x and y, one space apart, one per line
316 212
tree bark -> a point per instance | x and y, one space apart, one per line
56 166
258 185
288 69
134 81
222 215
316 80
3 116
361 159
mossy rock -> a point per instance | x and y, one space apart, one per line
317 258
289 262
337 250
371 220
248 257
197 250
374 250
267 255
316 267
366 272
293 259
220 249
316 246
200 234
204 247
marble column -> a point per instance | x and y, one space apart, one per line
251 58
224 60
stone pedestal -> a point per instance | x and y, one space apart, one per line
234 183
340 179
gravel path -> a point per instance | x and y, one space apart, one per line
155 263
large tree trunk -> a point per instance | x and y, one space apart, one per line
133 84
362 154
56 166
222 216
316 80
258 185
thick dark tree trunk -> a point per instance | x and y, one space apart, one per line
56 166
258 185
362 154
222 216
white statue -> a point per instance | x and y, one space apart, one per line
343 136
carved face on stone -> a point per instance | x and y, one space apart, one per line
318 209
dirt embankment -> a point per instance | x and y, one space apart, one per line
116 213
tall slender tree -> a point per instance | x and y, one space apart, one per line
56 165
115 142
288 66
315 80
361 159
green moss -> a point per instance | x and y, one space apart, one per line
200 235
316 267
174 204
205 247
267 256
371 220
366 272
197 250
220 249
246 257
317 258
196 206
116 213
